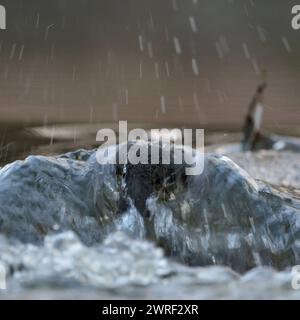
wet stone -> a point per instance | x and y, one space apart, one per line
221 217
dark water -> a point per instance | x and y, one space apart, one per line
96 61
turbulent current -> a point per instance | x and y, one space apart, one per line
71 227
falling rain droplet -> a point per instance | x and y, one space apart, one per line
177 45
163 104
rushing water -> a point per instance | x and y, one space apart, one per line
121 267
72 228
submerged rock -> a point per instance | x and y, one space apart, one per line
222 216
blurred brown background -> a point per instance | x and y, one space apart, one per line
187 62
